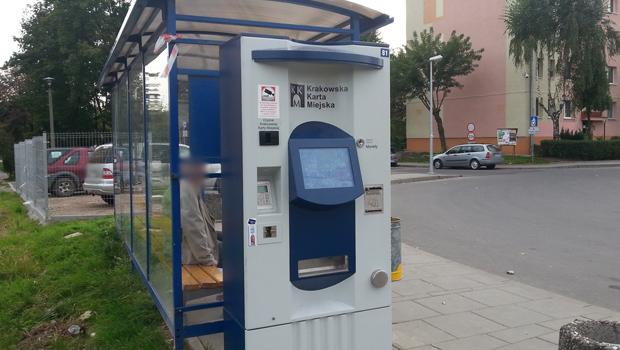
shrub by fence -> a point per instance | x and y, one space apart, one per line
581 150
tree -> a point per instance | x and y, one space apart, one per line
68 40
411 66
573 36
15 121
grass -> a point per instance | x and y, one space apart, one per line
509 159
47 282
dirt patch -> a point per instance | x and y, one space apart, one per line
79 206
44 335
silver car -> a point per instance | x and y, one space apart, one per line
473 156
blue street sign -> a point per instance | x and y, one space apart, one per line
534 121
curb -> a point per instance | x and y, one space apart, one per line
424 179
534 167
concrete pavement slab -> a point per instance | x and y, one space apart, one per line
413 334
531 344
512 315
465 324
557 307
553 337
518 334
408 310
494 297
454 282
414 288
450 304
478 342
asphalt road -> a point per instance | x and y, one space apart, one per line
558 229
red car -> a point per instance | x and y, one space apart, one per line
66 170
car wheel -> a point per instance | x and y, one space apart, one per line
438 164
491 167
394 165
108 199
64 187
474 164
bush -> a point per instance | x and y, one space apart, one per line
581 150
566 134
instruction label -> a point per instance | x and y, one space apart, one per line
268 101
252 239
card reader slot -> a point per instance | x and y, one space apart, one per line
323 266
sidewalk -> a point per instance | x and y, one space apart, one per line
557 165
441 304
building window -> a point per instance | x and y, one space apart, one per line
611 6
568 110
611 112
540 66
551 68
611 74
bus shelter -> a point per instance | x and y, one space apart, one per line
163 71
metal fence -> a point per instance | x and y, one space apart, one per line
79 139
56 166
31 175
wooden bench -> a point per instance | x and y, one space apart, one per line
197 277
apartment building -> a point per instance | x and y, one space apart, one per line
498 94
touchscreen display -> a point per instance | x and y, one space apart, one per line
324 168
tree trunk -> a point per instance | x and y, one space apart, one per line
441 131
556 128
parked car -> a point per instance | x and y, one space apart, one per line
66 170
473 156
100 173
394 157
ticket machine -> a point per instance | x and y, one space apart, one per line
306 195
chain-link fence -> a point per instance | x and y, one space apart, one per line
79 139
57 167
31 175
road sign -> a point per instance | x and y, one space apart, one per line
533 130
471 127
534 121
471 137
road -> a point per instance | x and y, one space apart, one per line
558 229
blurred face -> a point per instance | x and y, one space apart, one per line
193 173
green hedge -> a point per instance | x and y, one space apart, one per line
581 150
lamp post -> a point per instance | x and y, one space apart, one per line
430 120
49 81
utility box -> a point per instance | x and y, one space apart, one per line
306 195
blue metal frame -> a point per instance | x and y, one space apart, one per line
261 24
317 56
352 29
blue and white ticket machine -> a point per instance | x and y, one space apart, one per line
306 195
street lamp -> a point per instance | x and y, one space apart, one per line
49 81
430 120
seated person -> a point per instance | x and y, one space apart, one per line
200 245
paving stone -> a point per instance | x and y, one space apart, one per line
447 269
405 311
416 288
526 291
478 342
557 307
531 344
487 278
417 333
427 347
515 335
464 324
512 315
494 297
450 304
558 323
553 337
453 282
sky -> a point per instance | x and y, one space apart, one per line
13 10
